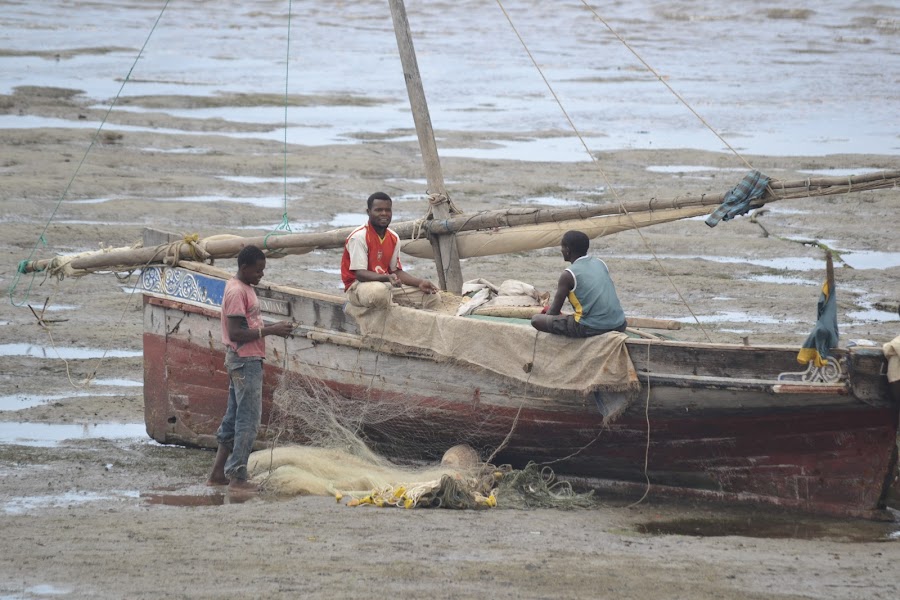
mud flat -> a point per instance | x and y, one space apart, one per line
90 508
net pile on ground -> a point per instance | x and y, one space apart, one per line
337 458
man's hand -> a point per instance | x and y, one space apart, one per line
427 287
281 329
394 280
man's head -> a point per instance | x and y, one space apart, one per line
574 245
251 265
379 208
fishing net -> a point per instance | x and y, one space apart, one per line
343 443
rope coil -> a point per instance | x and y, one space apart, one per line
172 255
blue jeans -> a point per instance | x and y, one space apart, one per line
244 412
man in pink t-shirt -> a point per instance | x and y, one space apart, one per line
243 333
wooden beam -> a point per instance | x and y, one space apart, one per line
298 243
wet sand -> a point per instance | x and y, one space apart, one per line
126 518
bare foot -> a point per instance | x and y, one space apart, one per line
242 485
216 481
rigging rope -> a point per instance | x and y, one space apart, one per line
41 239
285 223
284 228
602 172
662 80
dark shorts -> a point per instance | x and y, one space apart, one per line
567 325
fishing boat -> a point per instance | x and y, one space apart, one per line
731 422
724 426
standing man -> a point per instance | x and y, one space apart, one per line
371 269
590 290
243 333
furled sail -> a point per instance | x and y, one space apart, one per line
482 234
547 235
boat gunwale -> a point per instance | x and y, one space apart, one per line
340 301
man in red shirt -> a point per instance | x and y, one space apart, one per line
243 333
371 269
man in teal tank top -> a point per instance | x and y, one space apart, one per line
589 289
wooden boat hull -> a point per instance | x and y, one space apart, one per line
717 429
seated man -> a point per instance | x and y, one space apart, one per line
371 269
590 291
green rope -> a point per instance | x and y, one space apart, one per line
277 232
287 69
41 238
284 227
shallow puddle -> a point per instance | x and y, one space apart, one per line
870 259
842 172
410 197
552 201
51 434
347 219
858 260
675 169
56 307
88 201
871 314
253 180
261 201
22 505
117 382
39 591
185 150
544 149
64 352
767 526
23 401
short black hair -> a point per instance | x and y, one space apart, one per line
377 196
576 241
250 255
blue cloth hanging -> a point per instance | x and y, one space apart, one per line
824 336
737 201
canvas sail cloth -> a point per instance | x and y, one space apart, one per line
522 238
550 363
824 336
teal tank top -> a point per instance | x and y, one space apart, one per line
594 297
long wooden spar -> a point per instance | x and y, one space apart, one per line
297 243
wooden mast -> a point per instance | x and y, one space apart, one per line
446 254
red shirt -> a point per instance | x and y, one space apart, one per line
364 249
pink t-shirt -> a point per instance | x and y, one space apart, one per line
239 300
